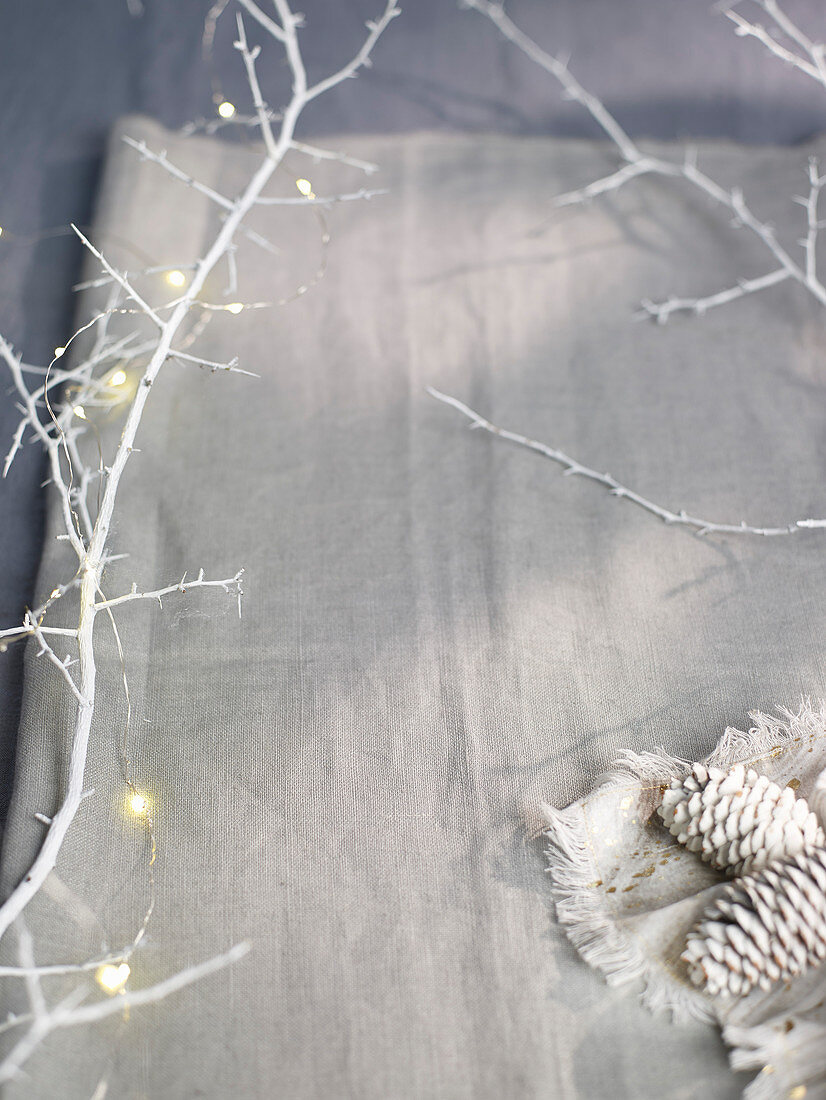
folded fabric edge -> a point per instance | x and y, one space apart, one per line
771 736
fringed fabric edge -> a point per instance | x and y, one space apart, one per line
604 945
767 1048
600 939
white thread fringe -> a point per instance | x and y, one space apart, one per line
603 943
580 909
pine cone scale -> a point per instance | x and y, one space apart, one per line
738 820
768 926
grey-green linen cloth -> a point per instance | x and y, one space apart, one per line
439 631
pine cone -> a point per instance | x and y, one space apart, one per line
737 820
764 928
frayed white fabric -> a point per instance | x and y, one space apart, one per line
627 895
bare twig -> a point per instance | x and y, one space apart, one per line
32 419
119 277
57 969
317 154
661 311
163 161
637 163
602 186
571 466
262 111
61 666
811 63
558 67
809 243
71 1013
182 586
231 366
269 25
323 200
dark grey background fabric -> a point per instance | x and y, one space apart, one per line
439 629
670 68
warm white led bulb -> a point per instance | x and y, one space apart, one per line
138 803
58 352
226 109
305 187
111 978
175 278
118 378
79 412
234 307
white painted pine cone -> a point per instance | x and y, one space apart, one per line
767 927
738 820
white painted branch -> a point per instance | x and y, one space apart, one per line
182 586
61 666
163 161
785 24
317 154
231 366
120 278
153 993
28 631
639 163
269 25
92 556
15 1020
50 445
571 466
812 67
222 307
16 443
323 200
25 954
232 271
262 111
70 1013
558 68
89 535
213 125
79 493
104 280
260 240
375 29
813 225
56 969
609 183
661 311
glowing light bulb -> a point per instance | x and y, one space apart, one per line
175 278
305 187
118 378
58 352
79 412
1 230
111 978
138 804
226 109
234 307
